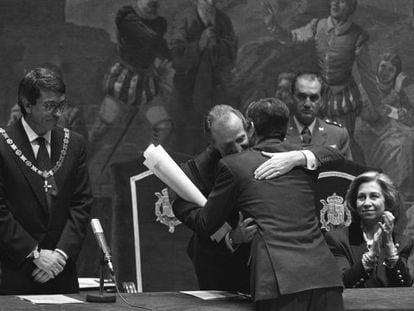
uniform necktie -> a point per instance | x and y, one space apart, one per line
306 135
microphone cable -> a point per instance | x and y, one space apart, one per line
124 299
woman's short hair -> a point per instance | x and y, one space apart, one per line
389 191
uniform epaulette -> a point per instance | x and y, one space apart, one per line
333 122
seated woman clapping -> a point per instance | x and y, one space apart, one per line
369 252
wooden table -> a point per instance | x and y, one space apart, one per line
378 299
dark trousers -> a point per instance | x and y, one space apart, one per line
219 269
321 299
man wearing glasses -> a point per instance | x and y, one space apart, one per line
71 117
45 194
305 127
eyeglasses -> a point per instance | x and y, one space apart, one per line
304 96
54 106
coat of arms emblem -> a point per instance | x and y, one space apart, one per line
334 214
164 212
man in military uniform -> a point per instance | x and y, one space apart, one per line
305 127
340 44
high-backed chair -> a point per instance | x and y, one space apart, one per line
148 242
330 194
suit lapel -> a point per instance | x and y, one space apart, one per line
35 181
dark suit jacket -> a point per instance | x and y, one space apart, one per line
26 220
215 266
348 246
289 254
324 134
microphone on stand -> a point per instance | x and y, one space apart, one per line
106 259
100 239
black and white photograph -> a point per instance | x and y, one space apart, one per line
207 155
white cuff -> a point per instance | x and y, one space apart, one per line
311 162
62 253
32 252
220 233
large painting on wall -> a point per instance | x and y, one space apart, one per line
131 83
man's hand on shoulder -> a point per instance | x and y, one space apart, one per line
279 164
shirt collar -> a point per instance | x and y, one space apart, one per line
340 28
32 134
300 126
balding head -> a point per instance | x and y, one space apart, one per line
227 129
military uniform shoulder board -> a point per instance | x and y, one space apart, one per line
333 123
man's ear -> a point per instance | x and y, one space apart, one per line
250 129
26 105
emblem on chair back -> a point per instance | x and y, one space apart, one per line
334 214
164 212
331 189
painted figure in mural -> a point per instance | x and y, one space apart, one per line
284 88
204 48
386 131
340 44
45 194
12 52
396 89
370 253
304 126
301 276
133 80
71 117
